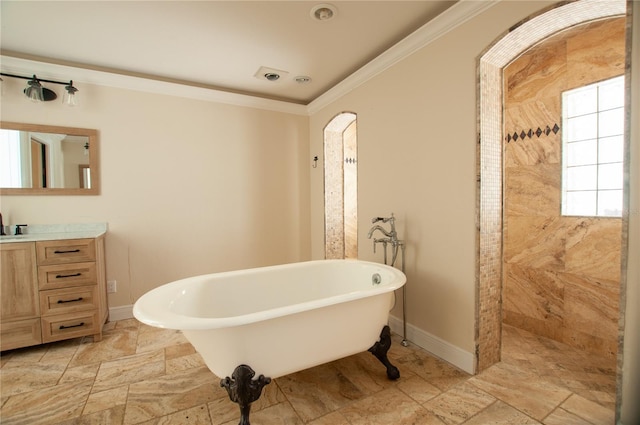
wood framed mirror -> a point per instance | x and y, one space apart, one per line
48 160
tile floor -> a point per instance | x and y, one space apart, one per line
143 375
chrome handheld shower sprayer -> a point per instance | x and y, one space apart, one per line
391 237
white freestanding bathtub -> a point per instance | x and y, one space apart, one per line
278 320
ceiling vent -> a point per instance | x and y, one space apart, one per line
270 74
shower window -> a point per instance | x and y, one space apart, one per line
593 149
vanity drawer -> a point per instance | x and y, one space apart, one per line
65 251
72 325
64 275
68 300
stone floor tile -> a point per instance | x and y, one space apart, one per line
130 369
17 377
500 413
278 414
46 406
143 375
390 406
435 371
150 339
562 417
586 409
165 395
521 389
417 388
115 344
459 403
318 391
198 415
334 418
105 400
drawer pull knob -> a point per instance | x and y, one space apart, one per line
71 326
71 251
62 276
70 301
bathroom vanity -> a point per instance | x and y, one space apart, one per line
53 284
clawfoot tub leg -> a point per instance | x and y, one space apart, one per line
244 390
380 350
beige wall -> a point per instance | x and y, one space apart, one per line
561 274
188 187
417 159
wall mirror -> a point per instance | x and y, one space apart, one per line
48 160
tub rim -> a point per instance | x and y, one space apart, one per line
159 314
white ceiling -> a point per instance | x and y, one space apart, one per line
213 44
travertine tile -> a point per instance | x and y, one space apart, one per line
417 388
593 247
538 74
164 395
389 406
198 415
533 190
178 364
315 392
48 405
589 410
562 417
129 369
585 64
537 242
279 414
350 391
536 294
80 373
335 418
115 344
150 339
111 416
435 371
535 233
459 403
500 413
520 389
17 377
104 400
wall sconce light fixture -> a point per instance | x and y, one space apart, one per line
37 93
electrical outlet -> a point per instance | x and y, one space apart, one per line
111 286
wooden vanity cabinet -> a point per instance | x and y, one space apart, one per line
70 298
19 296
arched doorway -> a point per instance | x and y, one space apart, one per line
340 187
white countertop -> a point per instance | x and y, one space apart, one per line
50 232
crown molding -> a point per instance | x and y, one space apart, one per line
451 18
48 70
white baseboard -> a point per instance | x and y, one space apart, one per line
438 347
120 313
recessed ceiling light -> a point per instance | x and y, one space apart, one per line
270 74
303 79
324 12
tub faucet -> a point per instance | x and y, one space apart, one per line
390 234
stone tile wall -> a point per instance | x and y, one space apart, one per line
560 274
